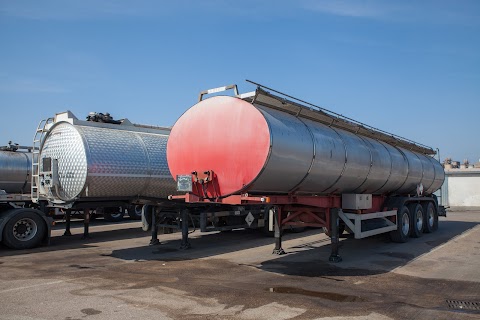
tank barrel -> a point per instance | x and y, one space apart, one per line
266 143
15 168
103 158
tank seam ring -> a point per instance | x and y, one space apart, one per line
344 163
313 158
371 161
391 166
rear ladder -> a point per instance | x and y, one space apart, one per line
42 130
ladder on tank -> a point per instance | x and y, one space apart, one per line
42 129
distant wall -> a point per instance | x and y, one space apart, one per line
461 188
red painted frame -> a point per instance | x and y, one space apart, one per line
293 210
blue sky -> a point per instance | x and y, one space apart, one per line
408 67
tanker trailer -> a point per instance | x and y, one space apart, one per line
273 158
22 224
15 169
101 164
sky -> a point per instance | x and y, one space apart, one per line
408 67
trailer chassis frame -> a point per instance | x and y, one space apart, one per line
301 211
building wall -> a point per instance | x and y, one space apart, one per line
461 188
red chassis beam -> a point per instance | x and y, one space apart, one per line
292 210
313 201
330 201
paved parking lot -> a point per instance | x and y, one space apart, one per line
233 275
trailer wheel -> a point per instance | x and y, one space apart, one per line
402 233
135 212
25 230
113 214
417 220
430 218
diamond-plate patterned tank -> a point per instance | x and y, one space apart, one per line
99 162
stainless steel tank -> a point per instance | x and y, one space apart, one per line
332 160
15 168
80 159
264 144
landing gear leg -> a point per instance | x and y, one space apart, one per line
154 239
277 218
67 223
334 221
184 220
86 224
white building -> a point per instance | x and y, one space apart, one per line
461 188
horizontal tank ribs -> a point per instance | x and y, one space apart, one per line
315 113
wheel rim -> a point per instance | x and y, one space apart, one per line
116 215
419 220
405 224
25 229
138 210
431 217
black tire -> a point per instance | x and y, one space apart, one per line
417 220
430 218
402 233
135 212
113 214
25 230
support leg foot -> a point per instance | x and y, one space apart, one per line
154 242
335 258
277 217
185 245
279 252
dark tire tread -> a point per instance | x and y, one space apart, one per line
414 231
398 235
8 235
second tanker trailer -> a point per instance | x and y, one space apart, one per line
89 163
271 159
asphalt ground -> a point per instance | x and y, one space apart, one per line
233 275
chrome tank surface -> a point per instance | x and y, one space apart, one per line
105 162
313 158
260 143
15 168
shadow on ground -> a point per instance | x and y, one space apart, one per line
75 241
360 257
365 256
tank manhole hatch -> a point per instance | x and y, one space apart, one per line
464 305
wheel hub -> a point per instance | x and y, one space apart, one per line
405 224
24 229
419 219
431 218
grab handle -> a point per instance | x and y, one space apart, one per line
219 89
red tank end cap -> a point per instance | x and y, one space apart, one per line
224 134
